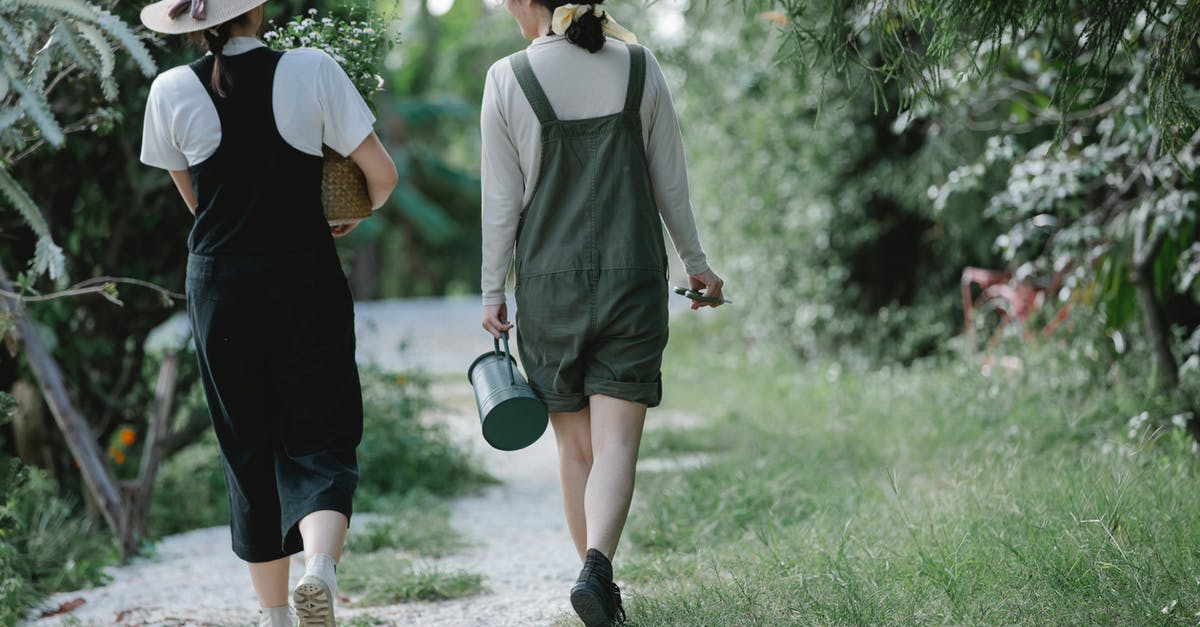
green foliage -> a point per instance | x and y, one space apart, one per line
1080 211
386 578
39 38
189 492
423 242
402 452
417 524
923 46
814 205
923 495
46 545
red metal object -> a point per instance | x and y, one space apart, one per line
1013 299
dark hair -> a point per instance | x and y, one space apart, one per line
587 32
215 39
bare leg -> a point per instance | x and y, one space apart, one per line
324 532
270 581
616 427
573 433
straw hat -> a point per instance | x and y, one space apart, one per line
193 15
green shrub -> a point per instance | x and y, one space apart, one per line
400 451
190 491
46 545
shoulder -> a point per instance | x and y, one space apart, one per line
656 81
501 71
173 82
309 56
308 62
653 69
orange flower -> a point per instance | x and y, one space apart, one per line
127 436
116 455
774 16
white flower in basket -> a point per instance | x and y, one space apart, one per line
358 46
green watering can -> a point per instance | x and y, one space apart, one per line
512 415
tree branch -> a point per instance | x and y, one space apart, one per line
103 285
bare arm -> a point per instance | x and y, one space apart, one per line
378 167
183 182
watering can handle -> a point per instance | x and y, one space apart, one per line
511 374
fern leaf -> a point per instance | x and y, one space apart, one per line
74 8
65 37
40 71
13 42
108 62
9 116
12 190
120 31
34 103
48 258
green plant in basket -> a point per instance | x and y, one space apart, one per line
358 44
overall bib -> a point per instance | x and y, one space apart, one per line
591 264
273 321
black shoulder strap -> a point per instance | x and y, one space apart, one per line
637 77
532 88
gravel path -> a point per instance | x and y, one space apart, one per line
518 539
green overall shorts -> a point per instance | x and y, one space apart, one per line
591 264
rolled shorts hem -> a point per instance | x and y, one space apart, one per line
563 403
646 393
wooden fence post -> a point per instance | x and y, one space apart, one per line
81 440
123 505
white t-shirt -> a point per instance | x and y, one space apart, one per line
314 103
579 85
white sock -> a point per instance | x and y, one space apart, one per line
322 566
279 615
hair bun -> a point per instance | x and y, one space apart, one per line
588 32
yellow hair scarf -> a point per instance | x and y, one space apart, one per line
566 14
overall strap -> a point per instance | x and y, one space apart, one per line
637 78
532 88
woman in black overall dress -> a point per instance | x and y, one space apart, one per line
271 312
582 165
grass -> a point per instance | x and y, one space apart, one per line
924 495
419 524
386 578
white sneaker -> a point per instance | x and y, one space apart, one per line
314 596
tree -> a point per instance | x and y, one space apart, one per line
1110 201
42 44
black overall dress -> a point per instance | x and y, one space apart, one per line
273 321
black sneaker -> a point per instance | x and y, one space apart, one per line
596 599
619 615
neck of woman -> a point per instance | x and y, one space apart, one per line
543 23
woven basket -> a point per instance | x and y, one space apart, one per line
343 190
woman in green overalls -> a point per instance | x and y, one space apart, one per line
240 130
582 165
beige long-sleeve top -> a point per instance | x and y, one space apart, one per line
580 85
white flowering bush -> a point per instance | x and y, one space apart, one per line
358 45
